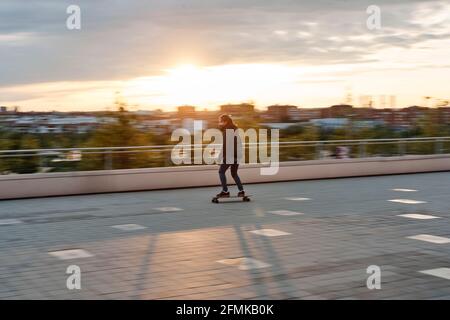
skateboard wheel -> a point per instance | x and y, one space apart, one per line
246 199
214 200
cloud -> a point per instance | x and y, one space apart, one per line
126 39
19 38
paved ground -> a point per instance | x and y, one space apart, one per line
200 252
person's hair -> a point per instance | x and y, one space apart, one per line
228 120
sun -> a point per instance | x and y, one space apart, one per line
212 85
186 83
183 70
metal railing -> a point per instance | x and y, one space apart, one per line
131 157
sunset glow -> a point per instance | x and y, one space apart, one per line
204 56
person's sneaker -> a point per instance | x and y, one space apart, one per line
223 194
241 193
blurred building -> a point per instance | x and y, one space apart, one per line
361 124
186 111
144 112
365 101
444 115
330 123
386 115
392 101
380 101
157 126
238 109
278 125
193 125
338 111
414 114
307 114
30 122
365 113
401 118
282 113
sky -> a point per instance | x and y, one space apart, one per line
158 54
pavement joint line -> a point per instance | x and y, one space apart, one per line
407 201
8 222
128 227
285 213
438 272
270 232
168 209
69 254
430 238
245 263
418 216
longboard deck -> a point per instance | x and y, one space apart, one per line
245 198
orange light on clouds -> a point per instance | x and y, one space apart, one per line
206 86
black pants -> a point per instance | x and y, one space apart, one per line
234 174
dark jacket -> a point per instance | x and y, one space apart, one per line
236 143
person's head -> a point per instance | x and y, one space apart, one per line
225 121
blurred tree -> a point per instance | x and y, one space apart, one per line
121 133
247 123
427 126
299 133
28 162
5 144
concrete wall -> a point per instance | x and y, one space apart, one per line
70 183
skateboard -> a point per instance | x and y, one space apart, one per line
245 198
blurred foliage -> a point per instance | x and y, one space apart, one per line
123 133
26 163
